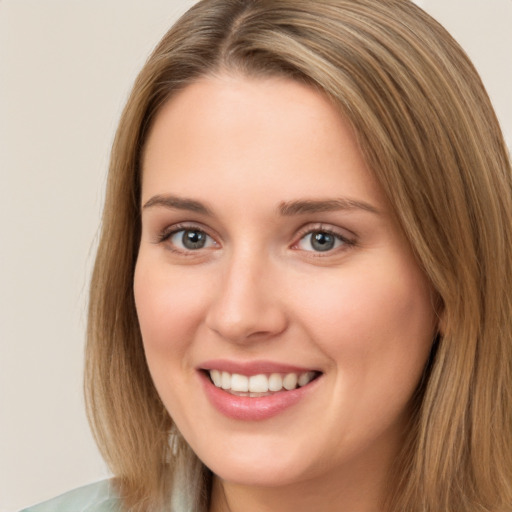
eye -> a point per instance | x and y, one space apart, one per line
190 240
321 241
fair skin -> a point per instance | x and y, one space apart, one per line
268 247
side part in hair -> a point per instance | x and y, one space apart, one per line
428 132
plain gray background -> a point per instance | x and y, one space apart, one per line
66 67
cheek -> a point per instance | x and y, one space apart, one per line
170 312
375 322
169 308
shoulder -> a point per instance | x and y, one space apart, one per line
97 497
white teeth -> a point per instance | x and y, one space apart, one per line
275 382
225 380
239 382
290 381
216 378
305 378
260 383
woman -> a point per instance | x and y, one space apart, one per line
301 298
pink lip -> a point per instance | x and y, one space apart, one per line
249 368
256 408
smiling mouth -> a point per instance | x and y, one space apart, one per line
262 384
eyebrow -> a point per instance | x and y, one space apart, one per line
300 207
286 208
178 203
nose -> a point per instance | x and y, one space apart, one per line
246 306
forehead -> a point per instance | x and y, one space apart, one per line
248 106
253 132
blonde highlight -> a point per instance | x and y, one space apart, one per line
428 132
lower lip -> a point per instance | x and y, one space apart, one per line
256 408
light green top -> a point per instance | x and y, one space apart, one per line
99 497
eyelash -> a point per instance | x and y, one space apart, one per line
168 232
320 228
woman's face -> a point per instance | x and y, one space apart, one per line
270 264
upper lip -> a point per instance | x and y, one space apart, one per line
249 368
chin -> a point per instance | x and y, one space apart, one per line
264 474
259 466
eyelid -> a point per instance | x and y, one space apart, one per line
166 233
348 241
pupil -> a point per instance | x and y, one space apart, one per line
193 239
322 241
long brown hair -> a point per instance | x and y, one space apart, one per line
428 132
